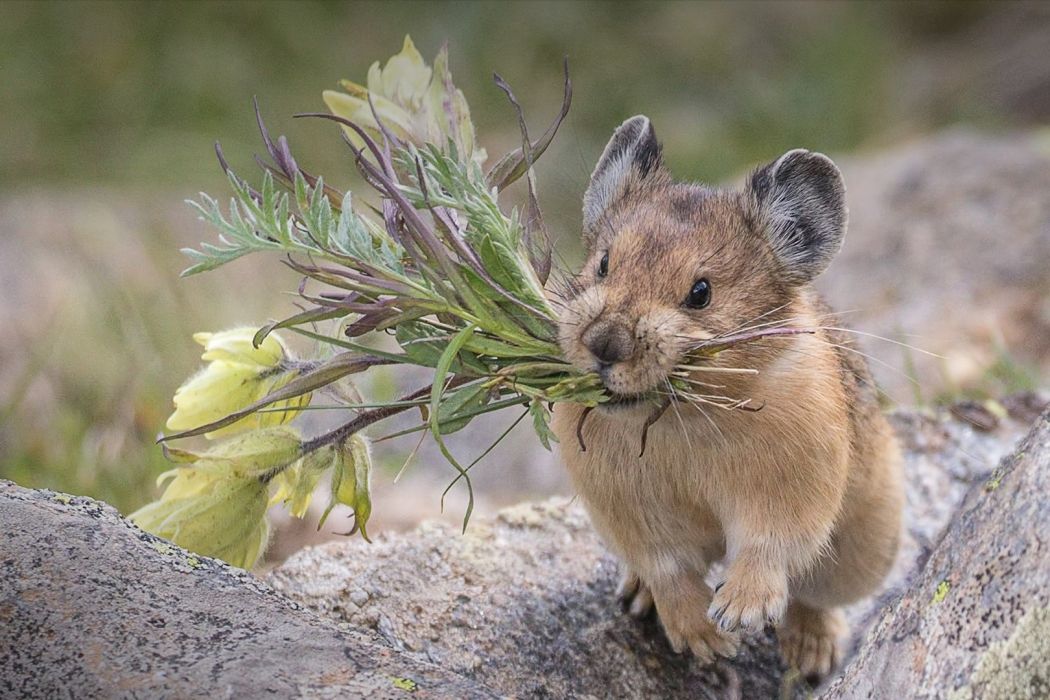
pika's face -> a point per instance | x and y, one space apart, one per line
669 270
672 265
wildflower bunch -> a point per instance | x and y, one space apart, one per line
437 263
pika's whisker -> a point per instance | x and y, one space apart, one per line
874 359
678 415
717 370
879 337
711 421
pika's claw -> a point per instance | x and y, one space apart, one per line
751 602
681 604
700 636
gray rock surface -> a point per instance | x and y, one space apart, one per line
524 604
976 622
92 607
521 605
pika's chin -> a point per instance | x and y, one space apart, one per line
627 404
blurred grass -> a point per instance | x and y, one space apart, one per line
110 110
137 92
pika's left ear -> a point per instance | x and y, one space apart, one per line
801 203
630 160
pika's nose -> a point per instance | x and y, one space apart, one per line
609 342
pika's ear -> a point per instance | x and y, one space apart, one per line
801 202
631 156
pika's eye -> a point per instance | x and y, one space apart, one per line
603 265
699 295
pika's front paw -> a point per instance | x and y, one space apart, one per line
695 632
634 594
750 600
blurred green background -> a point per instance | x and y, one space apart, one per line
109 112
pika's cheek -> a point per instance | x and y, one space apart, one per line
659 335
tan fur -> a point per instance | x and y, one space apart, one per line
802 498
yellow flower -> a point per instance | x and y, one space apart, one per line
237 375
210 514
405 78
250 454
216 503
416 103
237 345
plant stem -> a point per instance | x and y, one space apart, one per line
366 418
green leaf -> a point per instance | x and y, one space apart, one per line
436 392
541 418
320 313
425 344
463 400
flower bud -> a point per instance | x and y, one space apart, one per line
415 102
352 482
296 485
248 454
213 515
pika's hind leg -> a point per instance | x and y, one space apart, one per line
811 639
634 594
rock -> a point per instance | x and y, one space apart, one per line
976 622
91 606
523 603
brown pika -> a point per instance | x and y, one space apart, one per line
803 497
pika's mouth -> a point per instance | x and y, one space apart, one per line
619 402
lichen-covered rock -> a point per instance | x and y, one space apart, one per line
524 603
976 622
92 607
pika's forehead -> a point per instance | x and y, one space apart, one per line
678 231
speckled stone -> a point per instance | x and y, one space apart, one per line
92 607
524 603
976 622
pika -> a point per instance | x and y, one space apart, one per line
801 498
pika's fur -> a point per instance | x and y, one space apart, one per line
802 498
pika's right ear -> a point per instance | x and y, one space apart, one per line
801 207
631 156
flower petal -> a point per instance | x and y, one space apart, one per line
213 393
236 345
